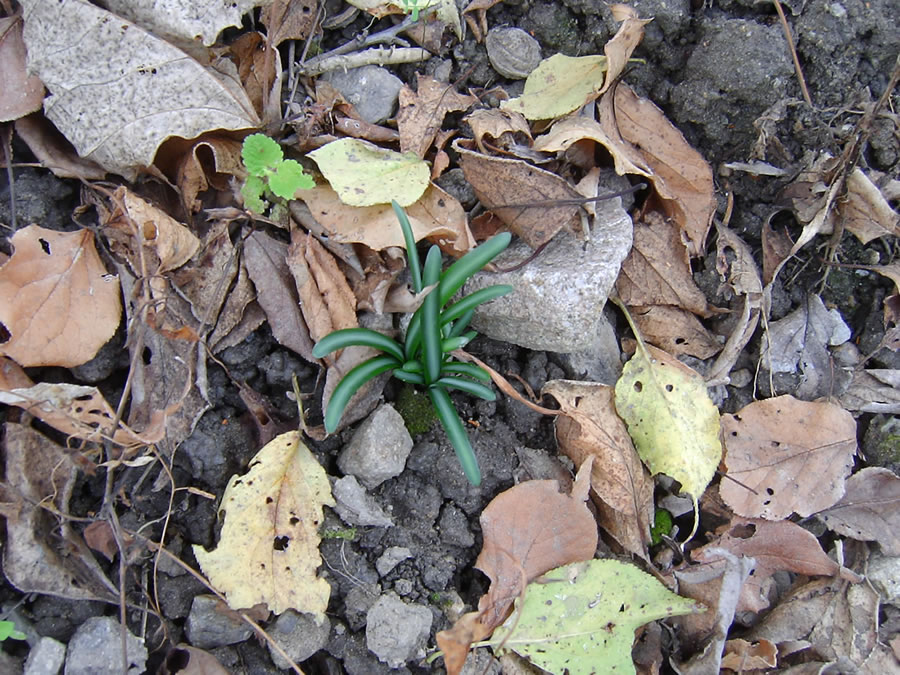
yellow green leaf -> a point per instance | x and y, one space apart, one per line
580 618
364 174
670 418
269 548
558 86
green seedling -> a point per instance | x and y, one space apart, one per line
413 7
269 173
8 631
435 331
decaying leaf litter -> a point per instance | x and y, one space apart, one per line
197 276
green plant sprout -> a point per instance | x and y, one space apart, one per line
269 173
413 7
434 332
8 631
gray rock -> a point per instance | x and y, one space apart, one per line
601 361
46 657
372 90
397 632
355 507
512 52
299 635
392 557
210 624
95 649
378 449
454 527
358 602
558 298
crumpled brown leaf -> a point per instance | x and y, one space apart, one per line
210 162
675 330
622 488
786 456
869 509
56 298
570 130
422 112
497 124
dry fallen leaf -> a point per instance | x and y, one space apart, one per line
20 93
496 124
506 186
675 330
56 298
786 456
268 551
288 20
619 49
869 509
570 130
211 162
865 211
621 487
422 112
117 91
53 151
742 656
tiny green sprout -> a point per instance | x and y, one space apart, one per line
347 534
269 173
435 330
662 525
8 631
413 7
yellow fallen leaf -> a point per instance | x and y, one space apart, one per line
269 548
670 417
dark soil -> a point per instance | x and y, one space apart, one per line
723 74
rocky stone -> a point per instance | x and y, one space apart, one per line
355 507
558 297
210 624
358 602
397 632
378 449
299 635
372 90
454 527
46 657
512 52
392 557
601 361
95 649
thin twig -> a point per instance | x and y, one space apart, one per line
380 56
790 41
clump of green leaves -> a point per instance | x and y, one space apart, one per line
270 174
435 331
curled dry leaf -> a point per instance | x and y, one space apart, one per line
681 177
786 456
209 163
869 509
288 20
508 186
173 243
570 130
865 212
422 112
117 91
57 300
741 656
621 487
619 49
495 123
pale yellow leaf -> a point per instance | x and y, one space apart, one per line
269 548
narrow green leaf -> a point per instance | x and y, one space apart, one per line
461 324
431 327
456 275
412 255
451 343
414 335
471 301
351 383
362 337
407 376
456 432
468 369
468 386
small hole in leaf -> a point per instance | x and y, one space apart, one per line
638 386
4 334
743 531
45 245
680 341
294 521
147 356
269 500
770 491
669 388
281 543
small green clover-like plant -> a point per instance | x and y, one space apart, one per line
434 332
8 631
269 173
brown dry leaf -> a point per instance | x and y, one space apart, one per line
528 530
373 288
496 123
570 130
675 330
875 390
288 20
436 215
12 376
173 243
455 641
41 554
657 271
682 178
54 151
786 456
265 259
776 247
239 316
56 298
622 488
209 163
475 15
499 182
99 536
256 62
422 112
869 509
326 300
780 545
206 279
618 50
20 93
847 629
742 656
187 660
865 211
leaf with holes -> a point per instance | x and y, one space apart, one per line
581 618
269 548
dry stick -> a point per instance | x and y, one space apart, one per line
379 56
790 41
7 158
